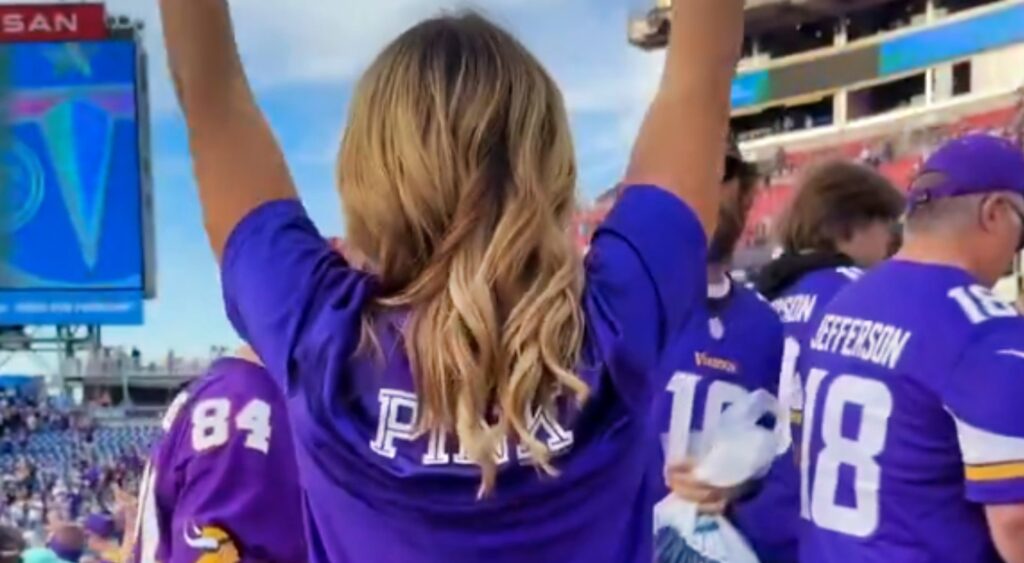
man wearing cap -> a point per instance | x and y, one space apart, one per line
101 537
913 440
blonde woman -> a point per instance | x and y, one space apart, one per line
482 395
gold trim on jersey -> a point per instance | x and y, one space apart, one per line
995 471
796 416
216 546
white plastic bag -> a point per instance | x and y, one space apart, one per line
737 450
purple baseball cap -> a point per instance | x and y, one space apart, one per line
100 525
973 164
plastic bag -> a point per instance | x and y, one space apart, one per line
737 450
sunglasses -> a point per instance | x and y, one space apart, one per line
1020 219
1016 210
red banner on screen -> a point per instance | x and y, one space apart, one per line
53 22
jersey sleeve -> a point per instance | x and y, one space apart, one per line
281 280
646 274
984 396
239 496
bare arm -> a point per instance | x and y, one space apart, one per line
681 145
1006 524
238 163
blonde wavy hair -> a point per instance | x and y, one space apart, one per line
457 176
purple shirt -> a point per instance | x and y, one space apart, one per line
735 350
374 491
223 479
912 419
798 306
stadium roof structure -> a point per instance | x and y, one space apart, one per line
649 30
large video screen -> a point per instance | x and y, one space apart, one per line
991 30
71 215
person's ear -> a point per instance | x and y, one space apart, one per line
989 213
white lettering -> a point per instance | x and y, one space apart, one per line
558 438
13 23
721 394
65 22
19 23
867 340
437 452
795 308
396 421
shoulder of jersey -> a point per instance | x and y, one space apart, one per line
830 282
850 273
230 378
994 317
974 314
827 279
757 302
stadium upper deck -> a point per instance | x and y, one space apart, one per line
649 28
880 81
821 72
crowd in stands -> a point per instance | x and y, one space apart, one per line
897 156
61 472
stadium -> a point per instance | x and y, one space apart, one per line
77 95
880 82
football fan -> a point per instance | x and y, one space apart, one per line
478 393
222 484
913 435
734 350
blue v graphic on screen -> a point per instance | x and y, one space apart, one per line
73 182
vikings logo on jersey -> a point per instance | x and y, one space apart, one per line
214 543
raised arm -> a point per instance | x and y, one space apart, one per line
681 145
238 163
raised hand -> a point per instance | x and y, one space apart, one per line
238 164
681 142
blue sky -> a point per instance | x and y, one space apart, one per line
303 57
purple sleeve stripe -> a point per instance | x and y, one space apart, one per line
1009 491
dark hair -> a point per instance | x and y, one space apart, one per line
12 543
834 200
732 215
748 176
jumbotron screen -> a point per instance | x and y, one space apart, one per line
72 218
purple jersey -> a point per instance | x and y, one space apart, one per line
912 380
798 304
736 350
223 482
376 490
